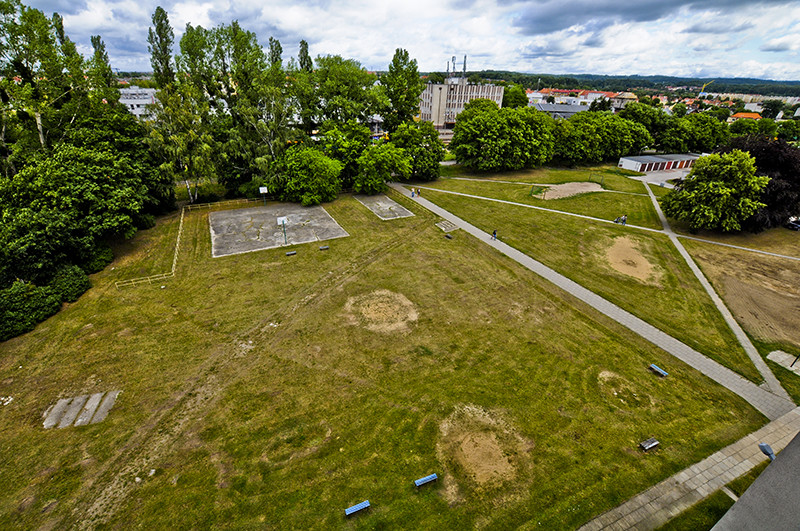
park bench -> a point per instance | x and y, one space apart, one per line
355 508
324 248
649 444
291 253
427 479
658 370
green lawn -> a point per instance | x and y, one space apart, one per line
676 303
255 391
701 516
602 205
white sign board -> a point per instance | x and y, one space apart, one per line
282 220
262 190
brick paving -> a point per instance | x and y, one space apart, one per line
771 405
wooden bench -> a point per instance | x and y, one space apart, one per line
355 508
649 444
658 370
427 479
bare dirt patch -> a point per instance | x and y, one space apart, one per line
560 191
625 256
381 311
482 449
762 292
620 391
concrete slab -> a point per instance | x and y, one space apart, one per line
88 409
54 414
255 229
384 207
75 407
105 406
785 360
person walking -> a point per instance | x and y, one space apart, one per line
494 234
624 219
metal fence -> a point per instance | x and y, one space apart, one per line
162 276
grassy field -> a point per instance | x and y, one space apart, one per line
267 391
671 298
702 516
603 205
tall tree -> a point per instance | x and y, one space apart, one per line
514 96
275 53
160 38
304 58
420 140
346 91
403 87
104 78
719 193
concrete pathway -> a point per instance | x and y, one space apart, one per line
770 380
769 404
658 504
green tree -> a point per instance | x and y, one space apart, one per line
600 105
743 127
377 164
346 91
767 126
104 81
304 58
514 96
160 38
61 207
789 130
310 177
180 136
402 86
771 108
706 133
720 192
491 139
421 143
275 53
679 110
345 142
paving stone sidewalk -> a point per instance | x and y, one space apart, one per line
771 381
658 504
771 405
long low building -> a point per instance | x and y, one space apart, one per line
648 163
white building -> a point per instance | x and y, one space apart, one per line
136 100
441 103
648 163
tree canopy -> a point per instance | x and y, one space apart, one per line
720 192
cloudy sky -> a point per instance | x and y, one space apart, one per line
708 38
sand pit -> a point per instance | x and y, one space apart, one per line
625 257
381 311
483 449
560 191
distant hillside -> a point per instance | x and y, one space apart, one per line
618 83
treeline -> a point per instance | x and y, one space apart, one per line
78 171
625 83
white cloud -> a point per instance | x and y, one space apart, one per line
720 37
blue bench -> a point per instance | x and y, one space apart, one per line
658 370
427 479
355 508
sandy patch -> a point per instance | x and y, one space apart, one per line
625 256
559 191
381 311
479 449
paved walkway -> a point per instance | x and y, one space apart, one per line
770 380
769 404
658 504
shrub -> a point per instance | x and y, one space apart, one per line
23 305
98 260
70 283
